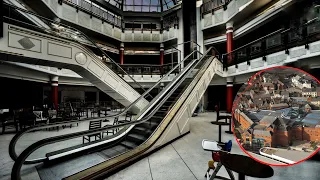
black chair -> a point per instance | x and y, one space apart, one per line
7 120
54 118
112 131
95 110
27 118
93 125
219 117
128 118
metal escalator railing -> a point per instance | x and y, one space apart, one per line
14 140
121 160
66 32
143 117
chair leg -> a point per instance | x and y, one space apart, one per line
3 128
208 171
230 174
216 170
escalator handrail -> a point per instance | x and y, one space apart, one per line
17 136
15 174
94 171
84 35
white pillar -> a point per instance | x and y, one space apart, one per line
180 36
199 31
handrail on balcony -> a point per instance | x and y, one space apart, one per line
279 40
95 10
212 5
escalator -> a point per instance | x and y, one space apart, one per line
139 137
48 43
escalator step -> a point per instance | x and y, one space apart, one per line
148 124
141 130
128 144
120 148
157 117
109 153
136 138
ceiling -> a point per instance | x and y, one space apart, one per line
143 5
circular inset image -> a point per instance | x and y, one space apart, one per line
276 116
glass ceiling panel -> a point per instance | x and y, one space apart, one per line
146 5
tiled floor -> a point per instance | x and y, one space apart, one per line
183 159
29 171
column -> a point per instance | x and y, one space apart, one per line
229 34
54 89
121 52
161 57
189 26
161 54
1 19
229 99
97 97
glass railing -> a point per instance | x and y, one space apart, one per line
282 39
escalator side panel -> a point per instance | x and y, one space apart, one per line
69 55
156 139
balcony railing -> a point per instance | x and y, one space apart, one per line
145 69
282 39
96 11
170 21
213 5
100 13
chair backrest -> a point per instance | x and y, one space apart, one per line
228 146
128 115
116 119
95 124
52 113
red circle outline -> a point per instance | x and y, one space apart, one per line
236 103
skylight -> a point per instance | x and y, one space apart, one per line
143 5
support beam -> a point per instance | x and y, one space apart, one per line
229 33
121 53
229 98
1 18
54 89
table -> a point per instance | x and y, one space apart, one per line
208 145
219 124
245 166
230 123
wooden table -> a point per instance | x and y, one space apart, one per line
245 166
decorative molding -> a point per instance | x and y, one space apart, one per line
23 42
81 58
276 59
59 50
298 52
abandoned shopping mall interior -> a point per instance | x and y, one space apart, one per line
145 89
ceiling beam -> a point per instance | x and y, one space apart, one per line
161 5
